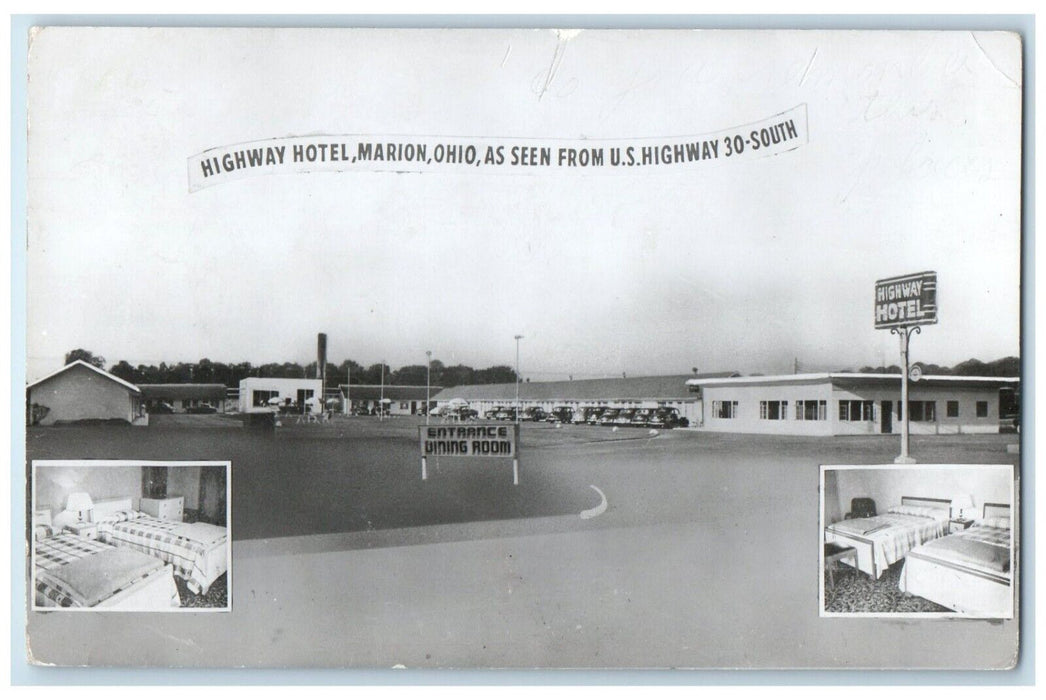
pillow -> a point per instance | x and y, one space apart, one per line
119 517
995 522
921 511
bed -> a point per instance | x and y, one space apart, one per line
198 552
969 572
74 572
885 539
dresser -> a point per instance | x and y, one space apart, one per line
163 508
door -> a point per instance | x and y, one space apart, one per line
212 495
886 416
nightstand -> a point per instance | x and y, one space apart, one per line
958 525
88 531
163 508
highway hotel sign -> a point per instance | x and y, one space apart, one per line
909 300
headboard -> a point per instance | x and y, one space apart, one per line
996 510
109 506
939 503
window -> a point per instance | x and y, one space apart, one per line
811 410
773 410
951 409
724 409
982 409
404 404
922 411
856 410
260 397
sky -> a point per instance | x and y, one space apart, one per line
912 163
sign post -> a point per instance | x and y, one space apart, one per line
475 440
903 304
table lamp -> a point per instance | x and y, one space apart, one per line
79 502
960 502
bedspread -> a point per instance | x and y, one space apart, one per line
999 536
71 571
892 535
985 548
186 546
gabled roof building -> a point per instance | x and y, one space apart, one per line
82 392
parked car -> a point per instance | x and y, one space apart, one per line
642 417
595 415
202 408
665 418
505 414
624 417
534 413
560 414
161 407
577 415
609 416
492 413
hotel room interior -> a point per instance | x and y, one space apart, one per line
918 539
129 536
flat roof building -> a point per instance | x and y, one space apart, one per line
851 404
258 394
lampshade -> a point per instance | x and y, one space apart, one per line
962 501
79 502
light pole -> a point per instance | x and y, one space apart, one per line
428 374
381 400
348 389
905 333
518 338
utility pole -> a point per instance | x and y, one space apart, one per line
428 381
518 338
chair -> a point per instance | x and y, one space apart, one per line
861 508
836 552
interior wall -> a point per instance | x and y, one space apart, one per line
54 484
987 484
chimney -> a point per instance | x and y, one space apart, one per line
321 361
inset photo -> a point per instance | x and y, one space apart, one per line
130 535
918 540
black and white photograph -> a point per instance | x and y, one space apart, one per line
908 539
130 536
525 347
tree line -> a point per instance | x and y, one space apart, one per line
1005 367
351 372
206 371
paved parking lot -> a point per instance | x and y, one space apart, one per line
706 554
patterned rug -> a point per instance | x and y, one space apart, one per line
217 595
857 592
